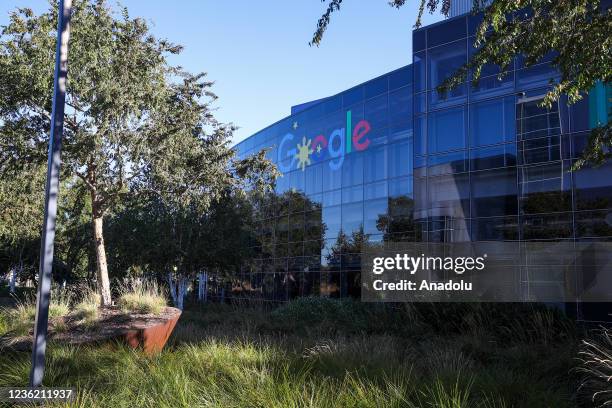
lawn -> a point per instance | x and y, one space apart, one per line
328 353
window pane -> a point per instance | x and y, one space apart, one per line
400 159
352 96
448 163
419 71
449 31
494 192
495 228
400 105
493 157
492 122
373 210
377 111
446 130
443 61
377 86
375 164
400 78
449 196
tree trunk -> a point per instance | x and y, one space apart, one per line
101 265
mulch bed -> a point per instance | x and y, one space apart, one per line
112 323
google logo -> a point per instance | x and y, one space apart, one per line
340 142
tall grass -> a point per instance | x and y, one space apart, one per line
142 296
19 319
223 356
87 308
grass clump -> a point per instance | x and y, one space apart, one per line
19 319
87 309
142 296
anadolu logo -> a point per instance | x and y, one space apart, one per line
340 142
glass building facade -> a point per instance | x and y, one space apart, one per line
392 160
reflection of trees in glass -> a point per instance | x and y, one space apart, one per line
398 223
347 249
546 202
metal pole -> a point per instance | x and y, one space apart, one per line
51 192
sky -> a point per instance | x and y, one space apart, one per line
257 52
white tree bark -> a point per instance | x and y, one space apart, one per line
12 279
202 286
172 286
182 289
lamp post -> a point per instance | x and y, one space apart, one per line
51 192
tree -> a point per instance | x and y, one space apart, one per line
134 124
576 32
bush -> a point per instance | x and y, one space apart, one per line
142 297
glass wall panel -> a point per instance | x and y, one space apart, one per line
492 122
399 159
375 164
493 157
449 31
494 193
377 111
400 105
376 87
449 196
446 130
443 61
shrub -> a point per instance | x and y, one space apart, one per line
142 297
596 367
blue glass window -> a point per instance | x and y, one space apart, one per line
375 164
400 187
492 122
420 135
443 61
418 40
446 130
593 189
352 194
493 157
449 163
449 196
352 170
375 190
446 32
400 105
376 86
420 103
494 229
352 96
494 192
377 111
419 71
400 78
373 210
535 76
332 104
400 159
400 131
492 86
332 220
352 217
